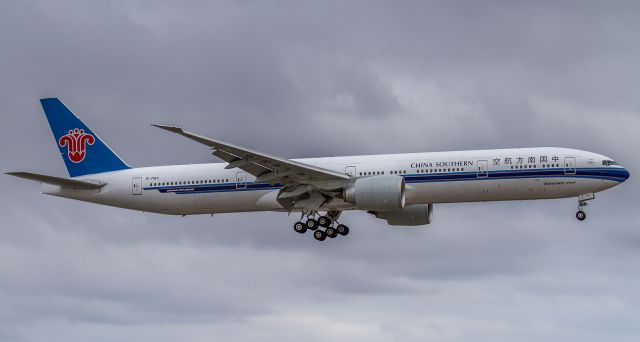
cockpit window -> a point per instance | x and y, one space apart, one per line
608 162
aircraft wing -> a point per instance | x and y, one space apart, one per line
268 168
59 181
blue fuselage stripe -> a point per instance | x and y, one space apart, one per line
612 174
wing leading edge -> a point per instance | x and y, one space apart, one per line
265 167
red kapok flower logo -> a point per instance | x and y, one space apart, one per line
76 141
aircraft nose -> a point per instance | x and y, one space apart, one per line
625 174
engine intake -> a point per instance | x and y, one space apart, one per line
411 215
377 193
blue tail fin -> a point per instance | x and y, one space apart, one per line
82 151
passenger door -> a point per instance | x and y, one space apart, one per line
569 165
350 170
136 186
483 168
241 180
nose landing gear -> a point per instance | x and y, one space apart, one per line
327 222
582 202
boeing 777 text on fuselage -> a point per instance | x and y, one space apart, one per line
398 188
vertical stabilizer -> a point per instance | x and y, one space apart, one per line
82 150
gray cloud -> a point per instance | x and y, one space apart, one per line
318 79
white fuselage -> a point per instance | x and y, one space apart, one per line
437 177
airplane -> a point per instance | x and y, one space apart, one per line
398 188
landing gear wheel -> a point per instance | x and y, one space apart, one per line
324 221
299 227
581 215
331 232
342 229
319 235
312 224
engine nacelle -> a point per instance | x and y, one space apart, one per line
377 193
411 215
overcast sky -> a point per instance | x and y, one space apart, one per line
312 79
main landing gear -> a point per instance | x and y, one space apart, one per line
582 202
322 227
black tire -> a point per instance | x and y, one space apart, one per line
312 224
581 215
331 232
319 235
324 221
299 227
342 229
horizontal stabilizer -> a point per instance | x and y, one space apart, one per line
63 182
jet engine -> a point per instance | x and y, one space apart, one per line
411 215
378 193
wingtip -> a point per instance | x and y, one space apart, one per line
171 128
